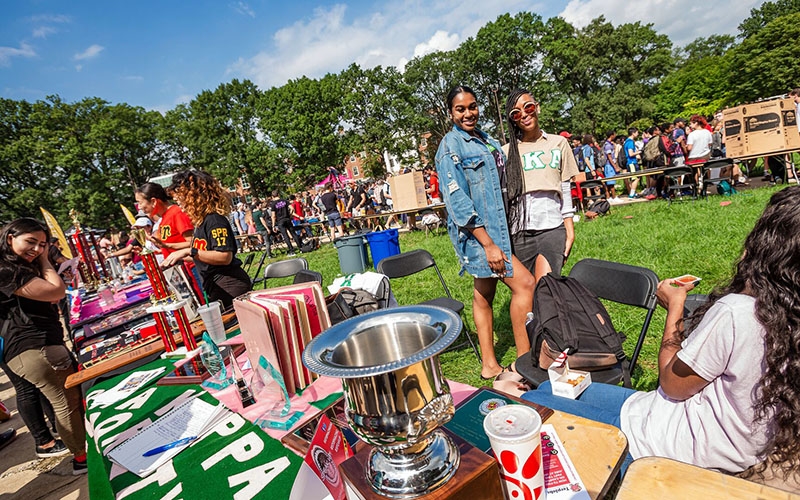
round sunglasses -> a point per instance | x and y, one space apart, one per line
516 115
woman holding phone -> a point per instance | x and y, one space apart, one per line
471 168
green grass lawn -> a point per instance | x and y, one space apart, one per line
703 239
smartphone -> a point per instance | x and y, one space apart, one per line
687 279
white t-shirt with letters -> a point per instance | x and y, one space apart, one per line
714 428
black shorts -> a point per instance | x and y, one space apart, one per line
550 243
226 287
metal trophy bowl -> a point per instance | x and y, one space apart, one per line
141 238
395 394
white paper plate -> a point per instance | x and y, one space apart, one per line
307 486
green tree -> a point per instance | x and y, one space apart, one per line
700 86
766 13
765 64
710 46
301 122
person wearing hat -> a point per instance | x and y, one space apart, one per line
132 247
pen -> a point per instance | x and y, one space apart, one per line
161 449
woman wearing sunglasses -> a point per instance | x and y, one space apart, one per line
539 170
471 168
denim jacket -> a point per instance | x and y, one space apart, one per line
470 188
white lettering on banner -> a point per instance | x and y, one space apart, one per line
242 450
174 492
231 424
162 476
116 439
257 478
138 401
175 402
109 425
88 422
90 397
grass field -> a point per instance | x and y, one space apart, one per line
702 238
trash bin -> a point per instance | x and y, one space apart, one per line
352 252
383 244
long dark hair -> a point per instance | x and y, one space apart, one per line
458 89
16 228
769 270
514 182
152 190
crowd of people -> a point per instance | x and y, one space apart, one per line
728 375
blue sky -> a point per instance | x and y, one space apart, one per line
158 54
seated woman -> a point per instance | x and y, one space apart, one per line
213 247
729 393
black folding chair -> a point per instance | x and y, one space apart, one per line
307 276
589 185
257 279
680 180
622 283
705 172
285 268
408 263
248 262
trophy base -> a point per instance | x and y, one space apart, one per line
409 475
476 476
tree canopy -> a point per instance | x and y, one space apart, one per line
89 154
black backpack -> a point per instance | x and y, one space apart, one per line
622 159
568 317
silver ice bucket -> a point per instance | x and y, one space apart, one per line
395 394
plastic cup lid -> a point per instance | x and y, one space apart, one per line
512 424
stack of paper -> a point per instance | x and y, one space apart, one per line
278 323
160 441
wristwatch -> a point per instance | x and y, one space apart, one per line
193 252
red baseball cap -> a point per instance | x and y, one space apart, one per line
565 134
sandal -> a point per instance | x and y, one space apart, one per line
503 369
511 383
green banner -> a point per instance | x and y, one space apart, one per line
235 460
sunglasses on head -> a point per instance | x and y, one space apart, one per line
529 108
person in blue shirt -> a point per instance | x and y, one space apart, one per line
629 149
471 168
610 170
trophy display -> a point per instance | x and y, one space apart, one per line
80 246
396 397
163 300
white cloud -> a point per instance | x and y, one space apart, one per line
91 52
133 78
6 53
78 67
440 41
43 31
330 39
681 20
50 18
244 9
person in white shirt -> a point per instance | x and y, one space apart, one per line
700 138
729 377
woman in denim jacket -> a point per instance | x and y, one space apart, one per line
471 168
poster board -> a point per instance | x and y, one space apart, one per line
761 128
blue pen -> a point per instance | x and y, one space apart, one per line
161 449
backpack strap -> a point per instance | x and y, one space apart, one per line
606 330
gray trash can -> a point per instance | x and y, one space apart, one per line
353 257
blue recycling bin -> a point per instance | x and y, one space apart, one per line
383 244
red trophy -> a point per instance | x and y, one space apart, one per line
163 300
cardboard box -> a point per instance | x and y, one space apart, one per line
761 128
408 191
791 135
563 380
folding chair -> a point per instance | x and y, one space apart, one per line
259 279
622 283
593 184
248 261
285 268
408 263
705 174
307 276
681 178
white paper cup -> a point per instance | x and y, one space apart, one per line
515 434
212 318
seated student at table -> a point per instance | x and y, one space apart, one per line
33 338
729 393
214 244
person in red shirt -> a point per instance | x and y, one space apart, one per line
174 230
433 186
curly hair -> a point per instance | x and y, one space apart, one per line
199 194
769 270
